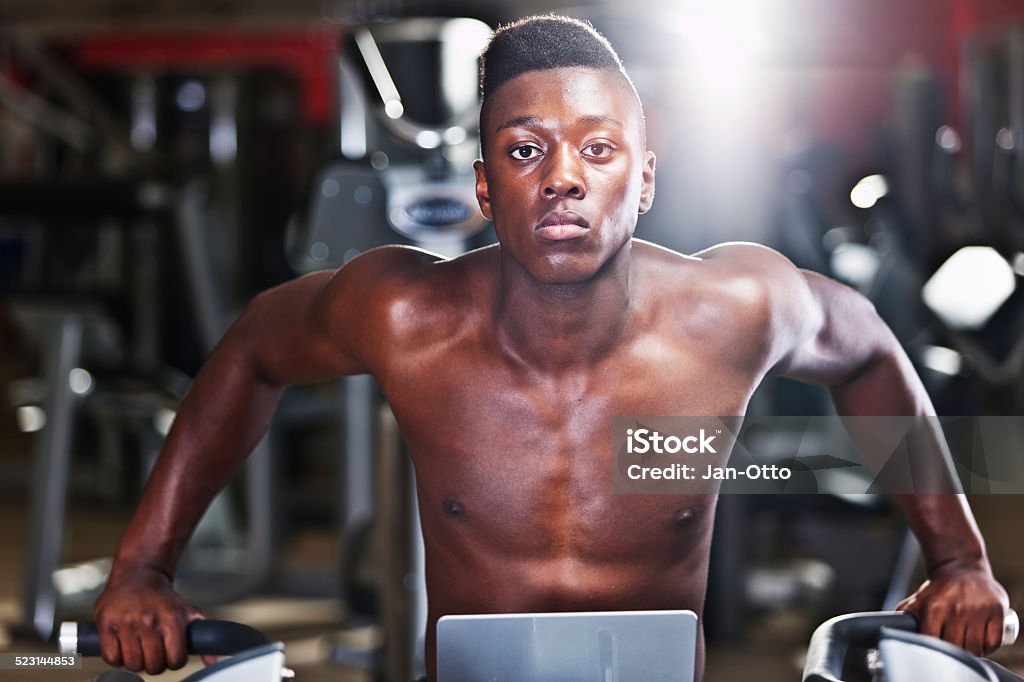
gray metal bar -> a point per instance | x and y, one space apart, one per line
145 294
416 583
50 478
976 114
352 113
902 572
207 298
393 478
261 506
356 476
1016 92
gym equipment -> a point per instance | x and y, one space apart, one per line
930 217
568 647
79 335
987 212
407 139
898 653
253 657
75 330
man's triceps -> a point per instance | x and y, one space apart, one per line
839 335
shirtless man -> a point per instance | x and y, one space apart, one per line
505 366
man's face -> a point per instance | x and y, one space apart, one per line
566 173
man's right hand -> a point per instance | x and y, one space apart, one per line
141 621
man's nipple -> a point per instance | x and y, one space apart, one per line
453 507
683 517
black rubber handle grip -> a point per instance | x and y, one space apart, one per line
830 641
203 637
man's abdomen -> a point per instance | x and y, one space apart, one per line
630 552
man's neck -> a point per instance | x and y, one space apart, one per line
560 327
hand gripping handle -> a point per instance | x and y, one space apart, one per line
830 641
203 637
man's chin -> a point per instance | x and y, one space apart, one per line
571 263
566 271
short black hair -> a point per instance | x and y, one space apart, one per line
542 42
538 43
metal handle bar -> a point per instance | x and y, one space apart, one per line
202 637
830 641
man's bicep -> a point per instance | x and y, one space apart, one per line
833 333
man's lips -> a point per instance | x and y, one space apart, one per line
562 225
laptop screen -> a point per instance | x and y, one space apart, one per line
605 646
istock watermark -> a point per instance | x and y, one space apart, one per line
642 441
836 455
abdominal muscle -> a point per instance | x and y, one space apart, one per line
638 552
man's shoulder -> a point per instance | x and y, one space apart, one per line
729 291
403 271
725 253
755 258
745 268
403 286
390 262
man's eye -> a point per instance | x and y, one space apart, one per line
524 152
599 149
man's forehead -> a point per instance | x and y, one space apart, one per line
600 94
530 121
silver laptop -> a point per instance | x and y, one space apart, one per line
602 646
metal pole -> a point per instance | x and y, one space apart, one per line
50 479
356 503
403 586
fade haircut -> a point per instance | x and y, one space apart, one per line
538 43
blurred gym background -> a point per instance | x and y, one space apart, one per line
161 162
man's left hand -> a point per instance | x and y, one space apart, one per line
963 604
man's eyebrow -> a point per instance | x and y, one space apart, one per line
596 119
526 121
519 122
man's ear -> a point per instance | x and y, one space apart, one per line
647 189
483 196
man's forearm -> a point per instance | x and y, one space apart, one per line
219 422
888 386
945 528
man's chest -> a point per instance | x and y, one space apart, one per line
475 406
538 447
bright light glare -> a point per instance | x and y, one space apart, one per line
1005 139
191 96
721 40
947 138
393 108
428 139
163 420
30 418
856 264
969 287
455 135
868 191
81 578
941 359
462 42
80 381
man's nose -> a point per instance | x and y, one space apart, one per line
564 176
